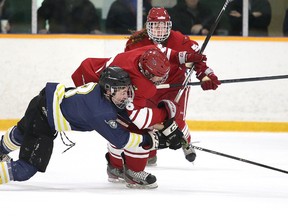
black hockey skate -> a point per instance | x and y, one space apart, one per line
189 152
139 180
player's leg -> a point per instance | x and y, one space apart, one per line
115 164
134 161
9 142
152 102
13 137
152 160
170 94
127 165
19 170
188 150
35 153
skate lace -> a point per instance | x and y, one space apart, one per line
139 175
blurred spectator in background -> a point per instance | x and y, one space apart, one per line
259 17
1 6
191 17
122 16
285 24
16 16
68 16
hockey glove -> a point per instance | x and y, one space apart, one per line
170 107
207 77
210 82
170 136
154 140
173 134
185 57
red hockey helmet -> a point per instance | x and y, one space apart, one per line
158 24
158 15
154 63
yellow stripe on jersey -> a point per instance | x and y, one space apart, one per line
3 173
8 142
134 140
61 124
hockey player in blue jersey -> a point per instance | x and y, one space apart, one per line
86 108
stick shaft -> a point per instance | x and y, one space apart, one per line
239 159
251 79
213 27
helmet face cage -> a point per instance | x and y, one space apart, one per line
158 24
149 75
159 31
121 104
113 79
163 80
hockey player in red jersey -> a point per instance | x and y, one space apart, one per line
147 67
158 31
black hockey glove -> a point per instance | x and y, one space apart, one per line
173 135
170 136
156 140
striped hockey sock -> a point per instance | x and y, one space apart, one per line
5 172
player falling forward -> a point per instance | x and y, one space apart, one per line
86 108
147 66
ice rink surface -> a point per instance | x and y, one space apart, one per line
75 182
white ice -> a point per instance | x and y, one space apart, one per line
75 183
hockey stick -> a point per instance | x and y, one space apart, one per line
126 124
251 79
213 27
239 159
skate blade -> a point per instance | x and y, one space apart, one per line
138 186
116 180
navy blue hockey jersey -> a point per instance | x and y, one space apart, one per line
85 108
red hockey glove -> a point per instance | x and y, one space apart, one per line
185 57
206 75
202 70
210 82
170 107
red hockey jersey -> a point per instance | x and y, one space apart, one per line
141 115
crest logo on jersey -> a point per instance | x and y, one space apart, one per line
111 123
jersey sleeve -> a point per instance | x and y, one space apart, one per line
109 128
146 117
89 71
184 43
142 113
